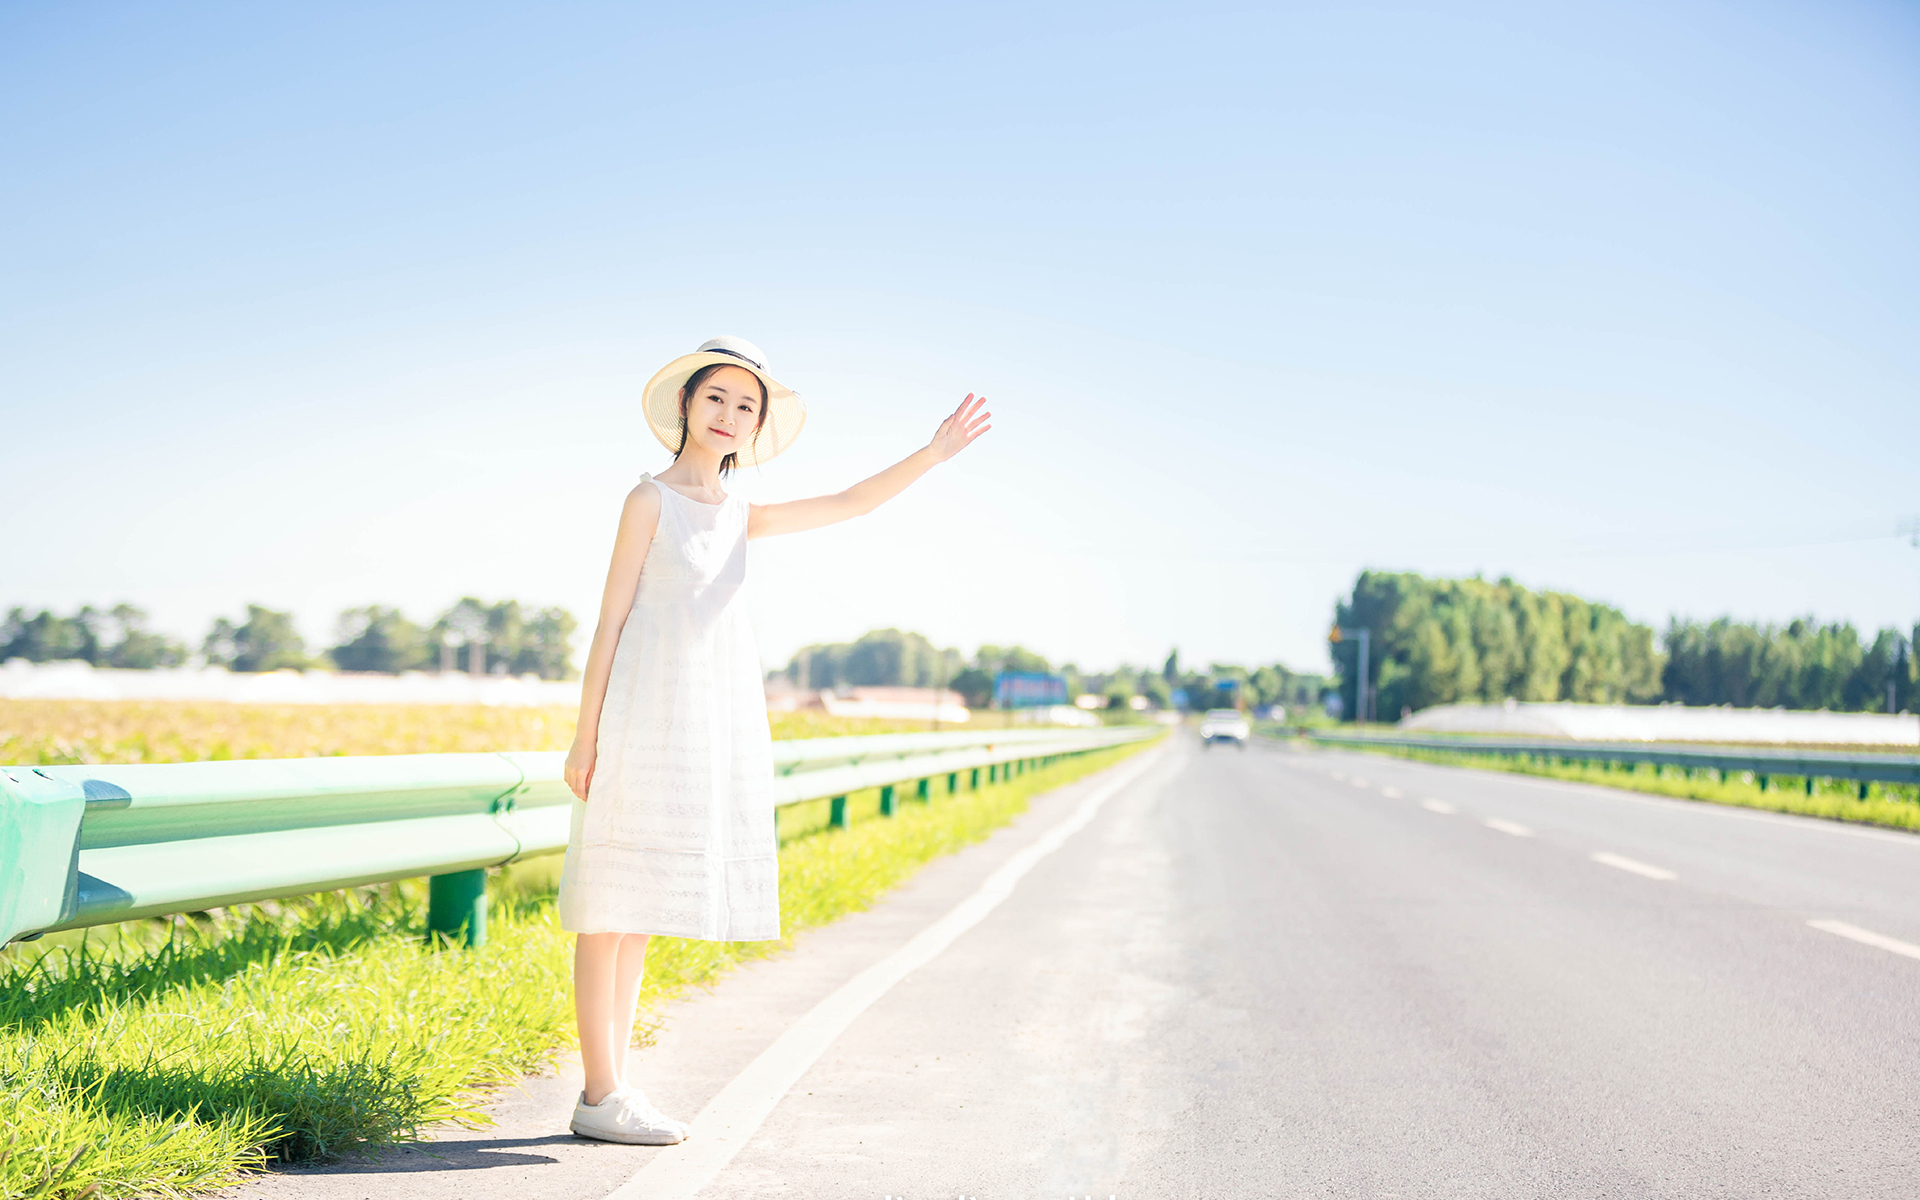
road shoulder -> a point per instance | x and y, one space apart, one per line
704 1038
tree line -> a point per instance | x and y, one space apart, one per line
895 658
504 638
1441 641
1797 665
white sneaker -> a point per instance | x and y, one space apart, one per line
625 1116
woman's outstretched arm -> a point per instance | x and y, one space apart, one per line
638 519
955 434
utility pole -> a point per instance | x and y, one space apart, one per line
1360 684
939 684
1910 527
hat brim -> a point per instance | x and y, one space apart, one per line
660 402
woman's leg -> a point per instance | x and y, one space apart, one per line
626 997
596 959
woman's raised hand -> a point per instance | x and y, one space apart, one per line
957 432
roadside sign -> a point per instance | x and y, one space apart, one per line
1028 689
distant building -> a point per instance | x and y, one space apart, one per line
1668 723
897 703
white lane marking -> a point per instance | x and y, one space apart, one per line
1393 793
1868 936
1632 864
1506 826
1702 807
1357 781
1439 806
1339 775
679 1171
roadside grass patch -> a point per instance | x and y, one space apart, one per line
167 1057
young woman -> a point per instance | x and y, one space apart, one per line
672 756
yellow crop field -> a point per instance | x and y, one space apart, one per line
53 732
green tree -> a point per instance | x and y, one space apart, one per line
117 637
994 659
546 645
132 646
46 637
1155 689
1443 641
376 638
878 658
1545 652
890 658
1121 686
975 687
463 628
505 639
265 641
1803 665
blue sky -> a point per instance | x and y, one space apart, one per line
352 303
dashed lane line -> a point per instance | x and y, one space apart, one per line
1622 862
1868 936
1674 804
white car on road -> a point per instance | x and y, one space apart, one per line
1224 725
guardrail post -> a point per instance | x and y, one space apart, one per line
39 850
457 906
1864 785
886 800
953 782
837 813
920 793
1809 785
974 783
1762 781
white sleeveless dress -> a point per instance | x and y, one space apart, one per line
676 835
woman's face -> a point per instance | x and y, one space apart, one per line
724 411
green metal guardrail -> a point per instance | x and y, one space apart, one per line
86 846
1765 765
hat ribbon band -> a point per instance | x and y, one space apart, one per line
758 366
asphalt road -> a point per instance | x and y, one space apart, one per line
1270 973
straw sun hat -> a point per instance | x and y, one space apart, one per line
785 413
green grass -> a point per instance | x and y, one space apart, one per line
162 1058
1891 805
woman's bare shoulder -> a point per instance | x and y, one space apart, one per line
644 493
641 508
